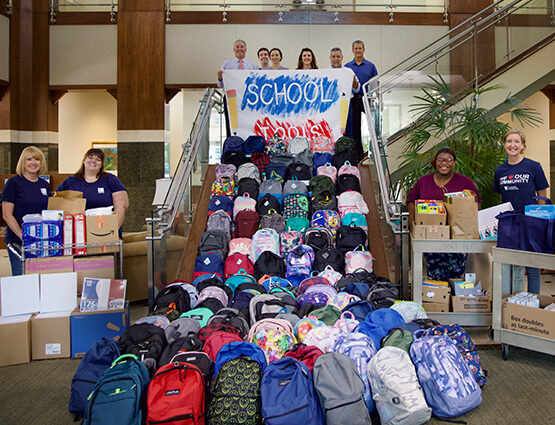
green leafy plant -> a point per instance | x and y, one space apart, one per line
459 123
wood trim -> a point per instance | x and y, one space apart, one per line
84 87
190 86
197 227
56 95
84 18
4 86
113 93
170 93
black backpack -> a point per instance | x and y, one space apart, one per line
213 281
232 317
342 283
329 257
343 156
299 170
266 204
349 237
269 264
347 182
190 342
319 184
174 294
146 341
248 185
326 200
347 143
236 158
382 295
318 238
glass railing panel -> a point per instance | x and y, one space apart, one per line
84 5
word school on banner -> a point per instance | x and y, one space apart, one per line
309 103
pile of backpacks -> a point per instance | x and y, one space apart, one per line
284 321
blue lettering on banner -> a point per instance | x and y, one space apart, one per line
288 95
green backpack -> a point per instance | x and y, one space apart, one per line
300 224
400 338
328 314
319 184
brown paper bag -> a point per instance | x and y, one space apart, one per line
462 216
70 201
67 194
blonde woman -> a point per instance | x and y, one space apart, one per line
25 193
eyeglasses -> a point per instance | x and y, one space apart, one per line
447 160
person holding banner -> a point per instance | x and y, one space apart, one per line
518 180
264 57
238 62
336 60
307 60
276 57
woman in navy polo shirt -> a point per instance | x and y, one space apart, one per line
100 188
25 193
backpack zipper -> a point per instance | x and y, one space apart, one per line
173 418
287 413
344 404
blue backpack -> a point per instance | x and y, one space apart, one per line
376 332
119 396
448 384
253 144
221 202
359 309
276 171
97 359
319 159
204 277
232 143
360 289
387 318
235 349
288 394
209 263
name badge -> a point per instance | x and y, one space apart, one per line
43 191
100 190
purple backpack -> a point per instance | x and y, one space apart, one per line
288 241
299 261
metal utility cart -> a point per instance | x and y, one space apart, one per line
420 246
503 286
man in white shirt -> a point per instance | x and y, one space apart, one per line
336 60
238 62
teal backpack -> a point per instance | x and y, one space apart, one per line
300 224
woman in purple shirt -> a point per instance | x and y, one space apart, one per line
434 186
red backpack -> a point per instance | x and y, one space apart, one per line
216 341
305 353
246 224
212 328
237 262
176 394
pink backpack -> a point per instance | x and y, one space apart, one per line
351 201
236 262
343 299
321 337
240 246
330 274
327 170
225 171
347 168
213 292
356 260
321 144
216 341
244 202
270 324
347 324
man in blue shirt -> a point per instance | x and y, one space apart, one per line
364 70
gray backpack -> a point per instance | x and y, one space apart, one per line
248 170
282 157
395 388
220 220
273 221
340 389
272 187
225 171
306 157
214 241
297 145
294 186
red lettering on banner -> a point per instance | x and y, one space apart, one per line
287 130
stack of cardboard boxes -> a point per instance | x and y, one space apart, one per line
458 296
430 220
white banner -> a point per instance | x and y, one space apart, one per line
309 103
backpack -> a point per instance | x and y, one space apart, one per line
382 295
250 171
347 143
234 350
221 202
220 220
360 349
305 354
189 342
265 306
239 278
288 394
327 170
320 159
161 321
264 240
298 224
240 246
180 328
253 144
213 242
340 390
175 295
232 143
355 219
267 205
305 157
297 145
387 318
329 257
217 340
261 160
245 374
177 391
236 263
98 358
225 171
274 342
223 187
299 171
342 299
325 200
320 184
465 346
248 186
360 289
284 158
213 292
273 221
199 359
275 145
326 218
119 395
231 317
355 260
349 238
201 314
321 337
234 157
448 384
359 309
327 314
330 275
244 202
273 282
347 182
318 238
294 186
271 187
207 264
299 261
246 224
146 341
351 201
269 264
289 240
276 171
395 388
317 299
409 310
398 337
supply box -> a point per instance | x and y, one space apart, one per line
471 304
529 320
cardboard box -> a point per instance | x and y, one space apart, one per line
426 219
15 332
458 290
89 327
79 233
50 336
49 265
436 294
102 228
19 295
529 320
462 304
100 266
430 232
436 307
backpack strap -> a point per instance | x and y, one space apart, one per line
124 358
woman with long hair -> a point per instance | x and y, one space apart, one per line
307 60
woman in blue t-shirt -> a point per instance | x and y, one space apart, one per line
518 180
25 193
100 188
